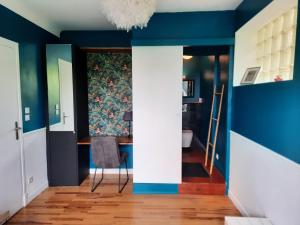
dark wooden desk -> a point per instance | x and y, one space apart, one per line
121 140
125 144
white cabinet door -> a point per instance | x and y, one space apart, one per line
157 102
11 184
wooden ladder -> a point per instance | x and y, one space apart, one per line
217 122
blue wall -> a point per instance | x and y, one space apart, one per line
142 188
248 9
206 90
124 148
32 40
191 28
269 113
198 28
97 38
211 76
222 79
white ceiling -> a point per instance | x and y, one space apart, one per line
58 15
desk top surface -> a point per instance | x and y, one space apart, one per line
124 140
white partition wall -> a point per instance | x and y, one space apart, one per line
267 41
157 102
263 183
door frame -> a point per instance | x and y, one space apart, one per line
228 118
15 46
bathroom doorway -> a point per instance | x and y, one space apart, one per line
203 68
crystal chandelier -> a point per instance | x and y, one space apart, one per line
126 14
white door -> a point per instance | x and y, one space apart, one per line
66 95
157 103
11 178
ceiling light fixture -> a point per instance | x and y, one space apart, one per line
128 14
187 57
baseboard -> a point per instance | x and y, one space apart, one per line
37 191
238 204
152 188
4 217
111 171
198 142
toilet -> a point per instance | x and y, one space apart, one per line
187 137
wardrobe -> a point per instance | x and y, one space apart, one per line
67 115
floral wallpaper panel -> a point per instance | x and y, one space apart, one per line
109 92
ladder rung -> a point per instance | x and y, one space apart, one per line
218 93
214 119
211 144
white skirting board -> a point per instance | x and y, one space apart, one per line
111 171
246 221
263 183
33 194
4 217
34 144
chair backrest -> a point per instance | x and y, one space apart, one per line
105 152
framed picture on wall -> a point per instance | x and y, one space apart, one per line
250 75
188 87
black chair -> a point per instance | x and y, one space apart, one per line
106 154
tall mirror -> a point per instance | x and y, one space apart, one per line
60 88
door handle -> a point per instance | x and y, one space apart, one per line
64 118
17 128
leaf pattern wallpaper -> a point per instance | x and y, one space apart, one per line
109 92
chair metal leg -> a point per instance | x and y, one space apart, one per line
94 186
121 189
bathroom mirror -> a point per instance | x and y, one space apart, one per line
60 88
188 88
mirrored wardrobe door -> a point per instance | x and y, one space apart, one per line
66 95
60 88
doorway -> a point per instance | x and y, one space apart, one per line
203 68
11 160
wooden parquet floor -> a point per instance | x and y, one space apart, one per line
77 205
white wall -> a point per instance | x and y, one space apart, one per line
264 183
38 18
157 102
246 37
34 147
